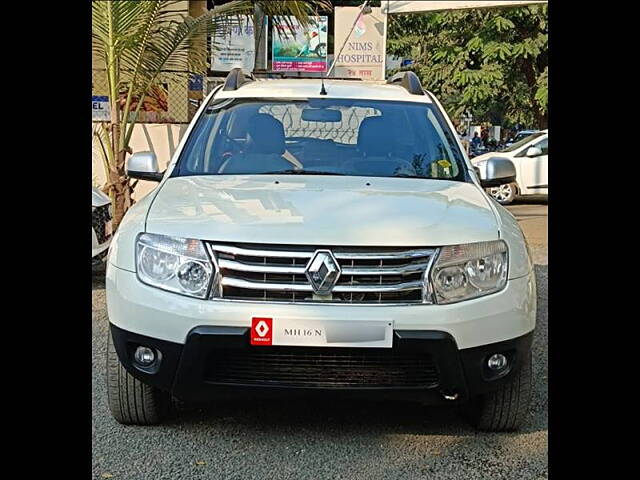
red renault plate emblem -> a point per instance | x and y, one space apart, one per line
261 331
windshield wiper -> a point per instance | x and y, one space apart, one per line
300 172
406 175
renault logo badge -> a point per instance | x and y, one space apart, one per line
322 272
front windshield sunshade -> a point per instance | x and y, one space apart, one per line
322 136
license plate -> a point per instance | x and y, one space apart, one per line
321 333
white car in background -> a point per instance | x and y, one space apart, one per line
530 156
101 223
521 135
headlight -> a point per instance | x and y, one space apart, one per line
178 265
468 271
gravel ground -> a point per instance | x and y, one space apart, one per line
280 439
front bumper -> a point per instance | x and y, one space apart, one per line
188 371
196 336
149 311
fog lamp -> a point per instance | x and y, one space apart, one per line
144 356
497 361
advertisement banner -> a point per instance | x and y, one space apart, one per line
363 55
235 46
298 49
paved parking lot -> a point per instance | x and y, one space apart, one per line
532 215
311 439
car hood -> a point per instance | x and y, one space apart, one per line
322 210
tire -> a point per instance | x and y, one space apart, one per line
504 194
321 50
506 409
132 402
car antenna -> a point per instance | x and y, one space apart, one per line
323 91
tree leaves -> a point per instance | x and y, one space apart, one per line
496 51
300 9
476 43
501 23
526 49
490 61
542 92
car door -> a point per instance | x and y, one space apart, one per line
535 170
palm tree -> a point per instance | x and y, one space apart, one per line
136 41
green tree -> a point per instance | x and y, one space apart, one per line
490 62
136 41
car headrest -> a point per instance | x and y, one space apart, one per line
375 137
239 121
265 135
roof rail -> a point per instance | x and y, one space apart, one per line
236 79
409 81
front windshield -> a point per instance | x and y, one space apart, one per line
523 142
321 137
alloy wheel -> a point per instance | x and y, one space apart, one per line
502 193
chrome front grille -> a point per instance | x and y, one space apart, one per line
369 275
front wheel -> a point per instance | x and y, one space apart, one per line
132 402
505 409
504 194
321 50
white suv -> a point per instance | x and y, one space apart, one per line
333 238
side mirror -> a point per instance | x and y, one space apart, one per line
533 152
144 166
498 171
